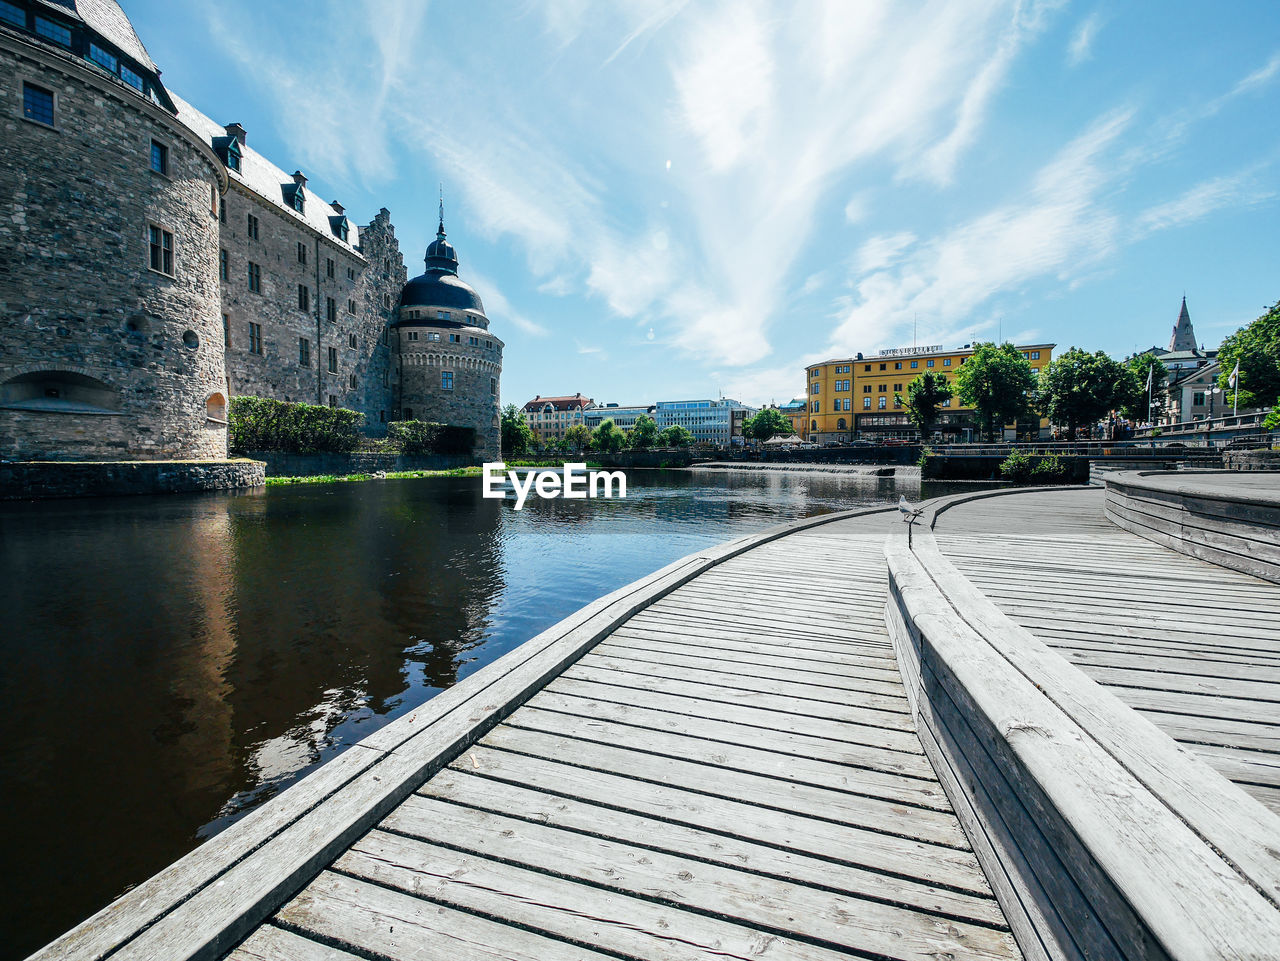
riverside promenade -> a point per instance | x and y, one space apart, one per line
726 759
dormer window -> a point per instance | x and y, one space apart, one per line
131 78
296 199
102 58
52 30
340 227
233 155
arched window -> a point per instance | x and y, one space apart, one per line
841 425
215 408
813 425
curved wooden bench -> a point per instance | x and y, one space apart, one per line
1100 836
1233 526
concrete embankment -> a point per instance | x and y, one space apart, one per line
29 480
859 470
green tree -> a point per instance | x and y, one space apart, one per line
925 395
766 424
998 383
1257 349
1078 388
675 436
1131 399
607 437
577 437
517 435
1273 418
644 433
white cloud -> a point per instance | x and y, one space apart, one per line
856 210
1057 228
558 286
1233 190
1080 48
882 251
498 309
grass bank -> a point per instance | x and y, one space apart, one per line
390 475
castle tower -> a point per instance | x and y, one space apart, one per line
1184 335
449 364
110 329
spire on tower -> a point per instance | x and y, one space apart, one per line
1184 335
440 229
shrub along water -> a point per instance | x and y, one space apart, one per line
258 423
421 437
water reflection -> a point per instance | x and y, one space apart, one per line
171 662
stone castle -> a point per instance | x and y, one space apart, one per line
154 265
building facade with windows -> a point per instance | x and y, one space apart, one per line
714 422
857 398
550 417
624 418
160 266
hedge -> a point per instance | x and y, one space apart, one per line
258 423
422 437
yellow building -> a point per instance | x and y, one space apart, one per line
855 399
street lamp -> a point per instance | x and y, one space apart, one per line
1208 424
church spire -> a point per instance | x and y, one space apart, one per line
1184 335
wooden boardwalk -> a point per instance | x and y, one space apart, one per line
732 773
1192 646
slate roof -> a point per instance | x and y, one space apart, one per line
105 18
268 181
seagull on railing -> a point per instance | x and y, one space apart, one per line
908 512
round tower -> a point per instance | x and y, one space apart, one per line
111 340
449 365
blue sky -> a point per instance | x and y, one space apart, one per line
663 200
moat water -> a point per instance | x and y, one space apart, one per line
170 663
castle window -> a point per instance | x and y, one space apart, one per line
255 278
473 341
304 297
351 306
12 13
37 104
252 227
331 309
299 201
442 314
52 30
333 400
413 335
302 252
160 246
455 338
341 228
159 158
304 352
103 58
446 379
352 382
222 209
489 344
408 413
382 414
226 330
328 267
386 378
255 338
333 360
351 341
493 385
233 155
131 78
386 301
224 265
841 425
384 335
351 273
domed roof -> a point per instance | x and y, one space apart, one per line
440 286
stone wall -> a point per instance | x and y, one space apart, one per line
82 317
39 479
368 280
1251 459
475 399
